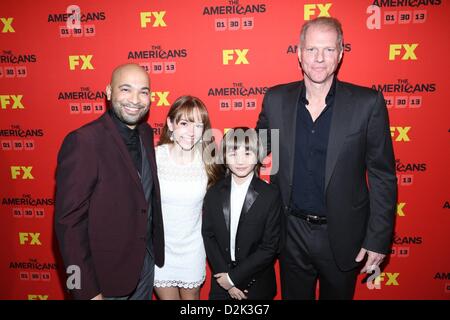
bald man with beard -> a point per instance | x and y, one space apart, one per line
108 218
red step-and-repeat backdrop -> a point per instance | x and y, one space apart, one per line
56 59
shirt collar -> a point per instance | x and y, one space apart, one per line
331 92
124 130
329 97
243 185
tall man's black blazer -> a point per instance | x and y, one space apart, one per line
360 181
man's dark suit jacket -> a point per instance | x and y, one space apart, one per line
101 210
257 238
360 180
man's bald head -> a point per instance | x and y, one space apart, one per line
128 68
129 93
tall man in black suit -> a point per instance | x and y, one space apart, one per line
336 172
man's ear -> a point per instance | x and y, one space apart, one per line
108 92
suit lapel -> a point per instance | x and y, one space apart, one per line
340 124
112 130
147 141
289 109
250 198
225 197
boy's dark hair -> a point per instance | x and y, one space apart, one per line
237 137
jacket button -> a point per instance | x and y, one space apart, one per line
226 249
143 211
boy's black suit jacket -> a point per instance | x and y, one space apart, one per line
257 238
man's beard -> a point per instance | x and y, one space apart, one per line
127 119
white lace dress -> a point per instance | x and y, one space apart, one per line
182 190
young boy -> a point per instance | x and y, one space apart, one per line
241 223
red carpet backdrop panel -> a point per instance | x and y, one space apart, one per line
56 59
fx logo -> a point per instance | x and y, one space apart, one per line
310 10
402 133
398 49
391 279
7 27
229 55
37 297
400 207
160 97
22 172
75 61
158 21
32 238
15 99
375 280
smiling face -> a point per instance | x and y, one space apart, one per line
129 93
320 54
241 161
187 130
241 148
